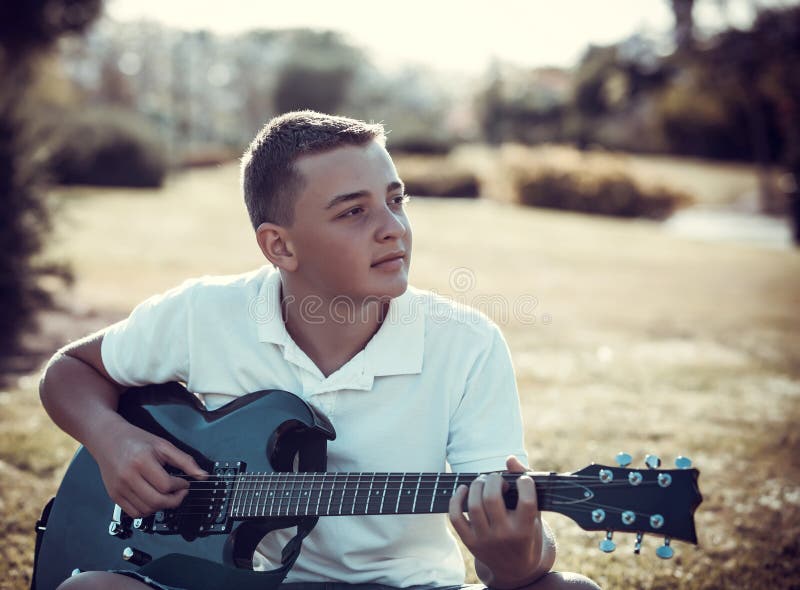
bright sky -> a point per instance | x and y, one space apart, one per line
456 35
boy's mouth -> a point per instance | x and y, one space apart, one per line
399 255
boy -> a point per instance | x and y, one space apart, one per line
410 381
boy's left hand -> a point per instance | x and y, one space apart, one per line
508 542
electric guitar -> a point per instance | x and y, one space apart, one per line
261 482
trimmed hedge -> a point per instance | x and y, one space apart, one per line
615 194
436 177
107 148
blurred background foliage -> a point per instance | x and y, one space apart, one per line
28 30
125 103
659 341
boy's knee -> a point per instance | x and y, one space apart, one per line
564 581
101 581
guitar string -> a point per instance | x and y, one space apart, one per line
286 510
346 486
251 495
286 501
393 475
329 478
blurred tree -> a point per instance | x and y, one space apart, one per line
683 10
318 73
522 104
27 30
490 107
760 70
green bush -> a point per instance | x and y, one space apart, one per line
107 148
614 194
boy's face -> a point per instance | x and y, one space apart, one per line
349 215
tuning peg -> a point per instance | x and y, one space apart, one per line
607 545
637 546
665 551
652 461
682 462
623 459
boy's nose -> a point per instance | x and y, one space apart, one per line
393 225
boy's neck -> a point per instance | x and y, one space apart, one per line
331 332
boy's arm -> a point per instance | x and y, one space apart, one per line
81 397
512 548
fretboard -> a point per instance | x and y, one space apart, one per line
256 495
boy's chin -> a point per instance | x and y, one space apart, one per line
389 291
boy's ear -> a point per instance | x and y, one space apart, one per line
274 243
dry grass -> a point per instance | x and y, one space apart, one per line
638 341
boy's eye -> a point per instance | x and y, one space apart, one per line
356 211
400 199
352 212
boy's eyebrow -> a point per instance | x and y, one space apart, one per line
394 185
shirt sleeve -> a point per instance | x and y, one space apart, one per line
152 344
486 426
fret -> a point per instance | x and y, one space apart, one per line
355 495
298 493
274 494
330 495
283 504
406 504
286 495
399 494
271 495
236 495
251 495
249 498
254 484
309 492
263 486
383 495
265 497
261 482
275 497
369 492
344 487
259 494
416 493
319 494
323 487
435 488
255 496
442 497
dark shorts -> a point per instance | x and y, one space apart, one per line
309 585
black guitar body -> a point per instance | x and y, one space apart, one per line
276 431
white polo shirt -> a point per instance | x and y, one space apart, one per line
433 388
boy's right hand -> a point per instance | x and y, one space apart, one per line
131 462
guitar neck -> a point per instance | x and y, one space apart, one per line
254 495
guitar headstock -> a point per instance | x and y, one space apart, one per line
640 501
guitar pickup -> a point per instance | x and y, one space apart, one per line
205 508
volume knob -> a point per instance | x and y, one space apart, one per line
135 556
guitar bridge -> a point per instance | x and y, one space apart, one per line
205 508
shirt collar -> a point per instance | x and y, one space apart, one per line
396 348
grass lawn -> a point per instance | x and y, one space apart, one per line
623 337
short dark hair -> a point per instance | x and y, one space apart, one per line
270 181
